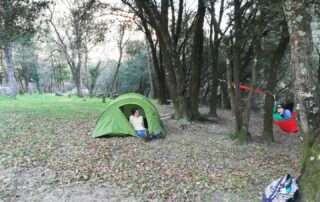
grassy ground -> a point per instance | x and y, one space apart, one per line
47 153
47 105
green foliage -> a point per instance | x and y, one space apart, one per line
27 61
61 73
134 74
134 47
94 72
18 18
35 77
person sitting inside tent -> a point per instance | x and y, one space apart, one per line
284 113
137 123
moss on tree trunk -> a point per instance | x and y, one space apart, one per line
309 180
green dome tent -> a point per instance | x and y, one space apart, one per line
114 121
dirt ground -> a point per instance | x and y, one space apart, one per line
195 162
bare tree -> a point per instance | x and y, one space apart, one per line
72 37
121 43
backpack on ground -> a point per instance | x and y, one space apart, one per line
284 189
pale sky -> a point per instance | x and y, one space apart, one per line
108 49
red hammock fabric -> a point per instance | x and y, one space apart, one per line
248 88
289 125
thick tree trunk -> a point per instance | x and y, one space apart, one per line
91 91
78 75
152 93
161 78
26 85
79 84
306 97
271 85
214 73
10 69
159 72
196 59
236 65
184 101
230 85
319 68
4 69
174 71
214 49
175 77
318 51
162 88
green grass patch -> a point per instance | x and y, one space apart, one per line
239 135
49 105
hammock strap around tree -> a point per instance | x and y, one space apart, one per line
248 88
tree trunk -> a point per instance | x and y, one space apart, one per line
163 91
271 84
86 72
10 69
159 73
236 65
174 71
115 76
160 85
4 70
161 78
174 75
318 51
121 46
38 86
247 111
26 84
306 97
214 49
79 65
196 59
230 85
78 83
171 84
152 92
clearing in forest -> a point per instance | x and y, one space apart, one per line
47 153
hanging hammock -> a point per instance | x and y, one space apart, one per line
287 125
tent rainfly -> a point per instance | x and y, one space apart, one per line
114 121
